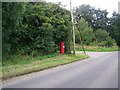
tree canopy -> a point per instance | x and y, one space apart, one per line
98 19
40 28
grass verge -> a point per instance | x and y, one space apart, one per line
97 48
37 64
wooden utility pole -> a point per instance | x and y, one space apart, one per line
73 32
79 34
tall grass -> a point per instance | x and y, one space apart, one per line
97 48
27 64
25 59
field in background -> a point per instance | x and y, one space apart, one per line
96 48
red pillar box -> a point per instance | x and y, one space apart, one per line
62 48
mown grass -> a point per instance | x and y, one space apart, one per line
97 48
28 64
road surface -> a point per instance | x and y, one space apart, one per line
99 71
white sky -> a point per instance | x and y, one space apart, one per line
109 5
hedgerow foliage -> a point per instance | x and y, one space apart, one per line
36 28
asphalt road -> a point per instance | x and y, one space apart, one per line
99 71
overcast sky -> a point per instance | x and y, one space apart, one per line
109 5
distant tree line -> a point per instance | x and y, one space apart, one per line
96 27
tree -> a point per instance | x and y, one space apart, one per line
114 28
11 18
45 25
96 18
35 27
101 35
88 36
82 24
86 32
103 38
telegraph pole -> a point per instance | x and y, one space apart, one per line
71 10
